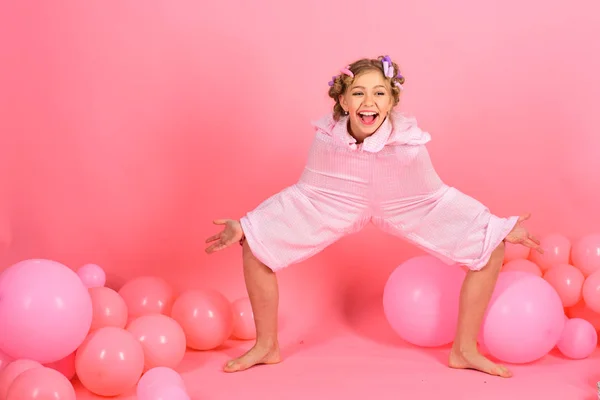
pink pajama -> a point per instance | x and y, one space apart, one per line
388 180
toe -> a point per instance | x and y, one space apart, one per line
231 366
502 371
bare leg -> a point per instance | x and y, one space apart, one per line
475 295
261 283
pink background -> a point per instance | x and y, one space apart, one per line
126 127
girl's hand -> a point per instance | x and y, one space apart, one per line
520 235
232 233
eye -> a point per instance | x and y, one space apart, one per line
357 94
380 93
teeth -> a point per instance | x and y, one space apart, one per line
368 113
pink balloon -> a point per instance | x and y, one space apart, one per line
66 366
523 266
581 310
109 309
524 320
41 384
4 360
12 370
515 252
579 339
420 300
147 295
591 291
206 318
169 393
567 281
586 254
162 339
505 280
243 319
49 309
92 275
155 379
557 250
109 362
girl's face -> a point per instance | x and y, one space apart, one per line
368 102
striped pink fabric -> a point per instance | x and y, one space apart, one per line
388 180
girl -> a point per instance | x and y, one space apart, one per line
369 163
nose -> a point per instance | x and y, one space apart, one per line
368 100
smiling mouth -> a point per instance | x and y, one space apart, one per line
368 117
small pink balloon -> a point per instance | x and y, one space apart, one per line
156 378
567 281
109 362
591 291
49 309
162 339
147 295
243 319
514 251
557 250
205 316
581 310
169 393
66 366
579 339
109 308
586 254
40 384
522 266
12 370
420 300
524 320
92 275
5 359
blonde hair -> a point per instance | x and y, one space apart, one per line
342 82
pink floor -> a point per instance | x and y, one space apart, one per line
339 363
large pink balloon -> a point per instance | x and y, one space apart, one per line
49 309
109 308
155 379
567 281
92 275
147 295
109 362
12 370
162 339
557 250
41 384
591 291
586 254
243 319
205 316
524 320
579 339
523 266
66 366
420 300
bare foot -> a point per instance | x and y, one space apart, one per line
474 360
255 356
